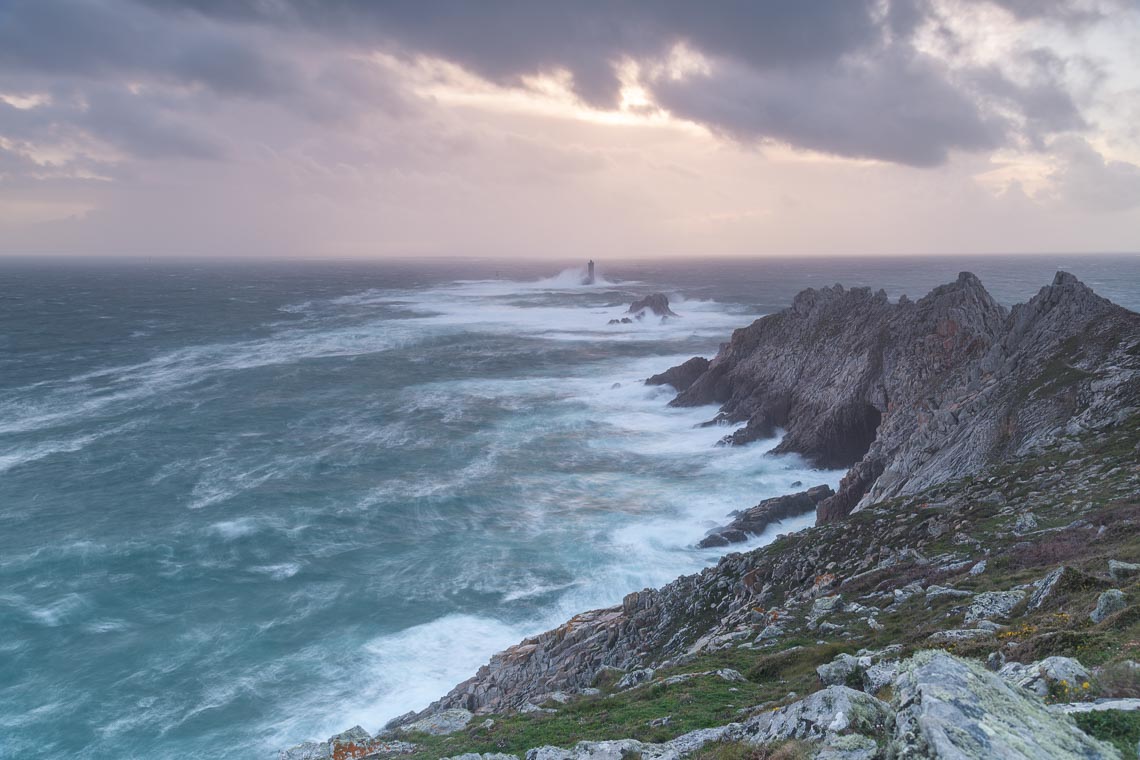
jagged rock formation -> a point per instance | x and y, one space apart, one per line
755 520
681 376
911 394
657 303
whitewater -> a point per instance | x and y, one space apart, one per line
334 513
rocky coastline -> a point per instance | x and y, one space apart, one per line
983 550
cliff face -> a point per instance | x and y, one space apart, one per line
915 393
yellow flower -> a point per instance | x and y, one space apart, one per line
1085 685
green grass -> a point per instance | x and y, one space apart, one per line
1117 727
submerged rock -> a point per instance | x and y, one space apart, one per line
757 519
951 708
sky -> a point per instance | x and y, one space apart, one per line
622 129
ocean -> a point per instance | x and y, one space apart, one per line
247 504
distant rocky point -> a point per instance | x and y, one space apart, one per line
910 394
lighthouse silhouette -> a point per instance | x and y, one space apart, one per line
589 273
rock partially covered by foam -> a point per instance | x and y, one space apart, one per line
657 303
681 376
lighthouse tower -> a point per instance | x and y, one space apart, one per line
589 273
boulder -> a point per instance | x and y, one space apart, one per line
952 708
1107 603
993 604
1046 675
1122 571
441 723
879 676
839 671
635 678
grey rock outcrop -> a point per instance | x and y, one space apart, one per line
911 394
993 605
623 749
440 723
834 711
951 709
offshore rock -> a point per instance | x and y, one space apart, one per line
656 303
681 376
755 520
951 708
912 394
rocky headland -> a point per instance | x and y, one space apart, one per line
971 591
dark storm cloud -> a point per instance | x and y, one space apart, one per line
905 112
89 39
838 76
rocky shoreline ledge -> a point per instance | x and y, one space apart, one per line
970 591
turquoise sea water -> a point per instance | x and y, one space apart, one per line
244 505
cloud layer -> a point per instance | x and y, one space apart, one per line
105 102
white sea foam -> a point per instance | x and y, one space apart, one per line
231 530
278 572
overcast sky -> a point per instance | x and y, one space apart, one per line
610 129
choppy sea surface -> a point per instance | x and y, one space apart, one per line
244 505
